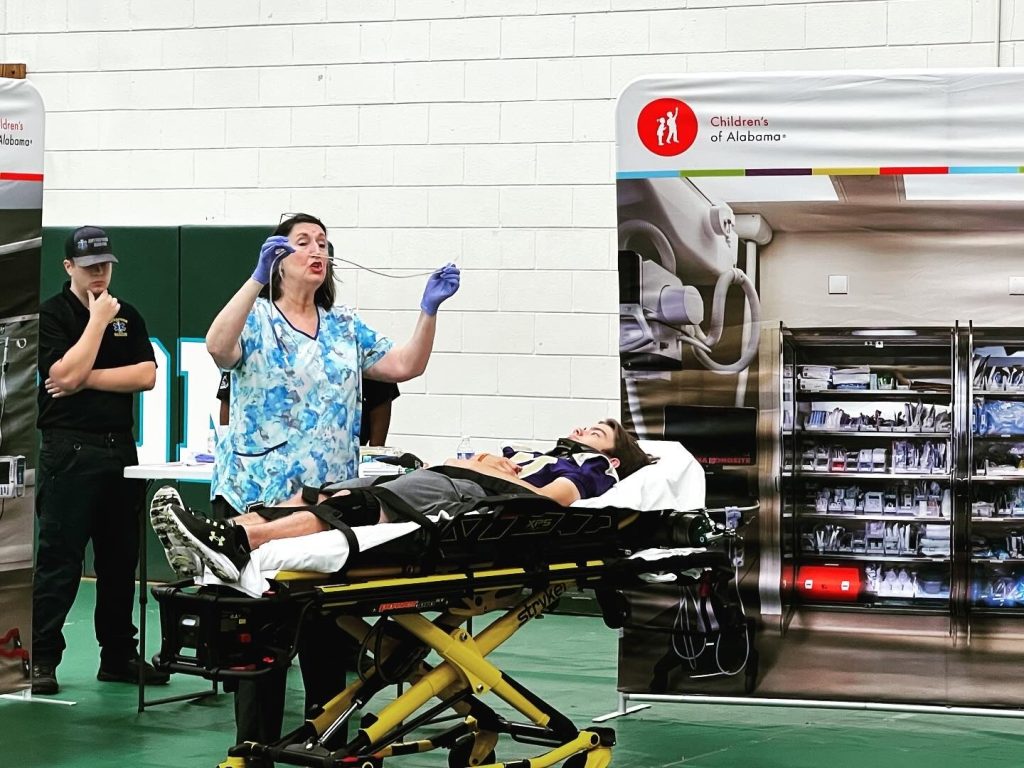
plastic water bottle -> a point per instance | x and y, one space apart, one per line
465 449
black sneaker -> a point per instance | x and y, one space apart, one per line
182 559
128 672
224 549
44 679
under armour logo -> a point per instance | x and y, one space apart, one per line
215 539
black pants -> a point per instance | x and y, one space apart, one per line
81 494
326 653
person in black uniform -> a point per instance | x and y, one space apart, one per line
325 651
94 353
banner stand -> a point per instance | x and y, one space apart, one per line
622 711
27 697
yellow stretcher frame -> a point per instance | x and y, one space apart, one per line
463 676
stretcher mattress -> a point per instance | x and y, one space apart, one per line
676 481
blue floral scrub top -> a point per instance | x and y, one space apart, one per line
295 411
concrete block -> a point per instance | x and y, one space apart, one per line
576 78
53 87
258 127
626 69
568 334
462 373
432 415
726 61
76 52
846 25
501 80
359 166
90 17
576 163
191 129
816 59
34 17
593 120
554 418
575 249
479 291
594 206
464 39
464 123
928 21
126 129
293 11
191 48
129 50
244 206
393 124
429 9
497 418
595 377
292 167
227 13
222 168
535 291
536 206
146 14
464 207
507 332
501 7
227 87
325 43
422 250
603 34
889 57
162 89
393 207
530 37
111 89
286 86
964 55
430 81
500 249
777 27
501 164
324 126
688 31
536 121
259 46
394 41
336 206
360 83
427 165
596 292
70 131
530 376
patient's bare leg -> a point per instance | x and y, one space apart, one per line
300 523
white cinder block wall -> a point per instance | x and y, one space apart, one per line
423 131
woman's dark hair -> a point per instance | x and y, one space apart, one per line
324 296
627 450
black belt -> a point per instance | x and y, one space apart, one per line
101 439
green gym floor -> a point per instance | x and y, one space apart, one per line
570 660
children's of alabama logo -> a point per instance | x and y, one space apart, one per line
667 127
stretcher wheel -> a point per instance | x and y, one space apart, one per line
458 756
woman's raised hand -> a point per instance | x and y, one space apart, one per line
274 248
441 285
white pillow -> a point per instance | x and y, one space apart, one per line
675 482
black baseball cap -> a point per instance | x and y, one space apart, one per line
87 246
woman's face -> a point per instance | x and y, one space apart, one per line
307 266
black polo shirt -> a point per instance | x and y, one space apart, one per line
62 321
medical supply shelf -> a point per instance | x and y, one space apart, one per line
996 480
879 558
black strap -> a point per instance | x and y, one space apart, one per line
350 537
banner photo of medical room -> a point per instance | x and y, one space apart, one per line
21 219
822 300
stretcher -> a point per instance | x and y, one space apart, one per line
409 604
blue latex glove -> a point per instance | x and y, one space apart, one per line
441 285
274 248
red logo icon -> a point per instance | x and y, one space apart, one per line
667 127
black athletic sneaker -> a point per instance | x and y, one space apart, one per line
182 559
128 672
44 679
224 549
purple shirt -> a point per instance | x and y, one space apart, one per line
591 473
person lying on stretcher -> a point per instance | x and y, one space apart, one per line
584 464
